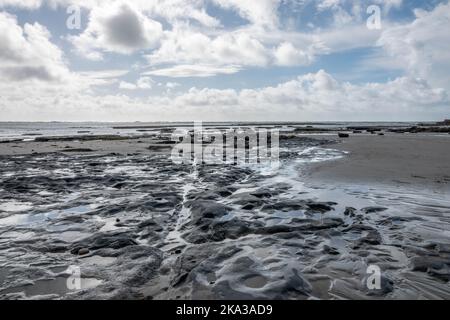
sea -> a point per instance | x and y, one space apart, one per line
31 130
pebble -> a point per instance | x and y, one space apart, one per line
83 251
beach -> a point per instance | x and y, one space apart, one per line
396 160
224 158
135 225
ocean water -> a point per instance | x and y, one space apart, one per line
30 130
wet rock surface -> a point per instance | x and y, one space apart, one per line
138 226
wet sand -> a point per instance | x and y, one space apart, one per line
420 160
97 146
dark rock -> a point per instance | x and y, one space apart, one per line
115 240
330 250
443 248
302 225
191 258
248 201
369 235
84 138
315 225
159 148
78 150
263 193
225 191
423 263
320 206
11 141
286 205
147 223
221 230
50 248
442 273
349 211
373 209
275 229
372 237
201 210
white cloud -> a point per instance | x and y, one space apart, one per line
196 44
171 10
422 48
104 74
247 47
287 55
314 96
172 85
142 83
119 28
127 85
261 12
207 97
184 46
28 56
145 83
27 53
193 37
185 71
318 96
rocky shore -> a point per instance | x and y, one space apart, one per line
138 226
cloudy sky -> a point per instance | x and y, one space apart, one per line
152 60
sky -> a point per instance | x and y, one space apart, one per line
224 60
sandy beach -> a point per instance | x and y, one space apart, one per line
136 225
396 160
237 158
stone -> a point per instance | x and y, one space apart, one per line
83 251
373 209
349 211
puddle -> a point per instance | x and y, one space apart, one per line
255 282
72 236
56 286
39 218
